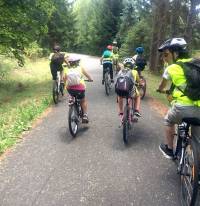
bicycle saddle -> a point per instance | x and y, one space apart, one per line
192 121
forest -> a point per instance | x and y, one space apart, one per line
30 28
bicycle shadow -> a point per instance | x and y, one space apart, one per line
67 138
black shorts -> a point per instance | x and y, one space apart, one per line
77 93
54 68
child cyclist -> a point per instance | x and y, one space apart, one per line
128 65
75 84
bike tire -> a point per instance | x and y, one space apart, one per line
62 89
125 125
107 86
73 120
55 92
143 89
193 178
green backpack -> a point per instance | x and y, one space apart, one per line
192 73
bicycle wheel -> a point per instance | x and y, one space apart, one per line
73 120
55 92
62 88
142 88
126 125
107 84
190 174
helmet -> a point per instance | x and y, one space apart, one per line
139 50
174 44
114 42
109 47
73 60
128 62
56 48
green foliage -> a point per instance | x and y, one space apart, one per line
33 51
22 22
138 35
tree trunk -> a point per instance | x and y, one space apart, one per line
190 23
161 9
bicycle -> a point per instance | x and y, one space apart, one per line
58 88
187 154
75 114
142 87
128 118
107 83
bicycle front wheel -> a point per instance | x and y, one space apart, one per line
190 174
55 92
126 125
73 120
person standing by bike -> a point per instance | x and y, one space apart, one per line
139 59
56 60
174 52
127 70
107 61
75 83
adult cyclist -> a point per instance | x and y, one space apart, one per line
128 64
173 52
107 61
139 59
56 60
75 84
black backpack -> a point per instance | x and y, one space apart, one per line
140 62
57 58
124 83
192 73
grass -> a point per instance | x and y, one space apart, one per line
153 82
24 94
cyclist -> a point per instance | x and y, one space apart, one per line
56 60
107 61
115 51
75 83
128 64
174 51
139 59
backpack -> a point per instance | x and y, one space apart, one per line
192 73
57 58
124 83
73 77
140 62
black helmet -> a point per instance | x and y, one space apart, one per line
56 48
174 44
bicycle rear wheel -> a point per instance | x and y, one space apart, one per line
107 84
190 174
73 120
142 88
55 92
126 125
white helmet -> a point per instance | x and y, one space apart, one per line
129 62
175 44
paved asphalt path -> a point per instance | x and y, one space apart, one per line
49 168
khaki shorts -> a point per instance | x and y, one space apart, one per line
178 112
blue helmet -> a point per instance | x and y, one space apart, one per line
139 50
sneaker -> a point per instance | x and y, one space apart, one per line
102 81
137 113
85 119
168 153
